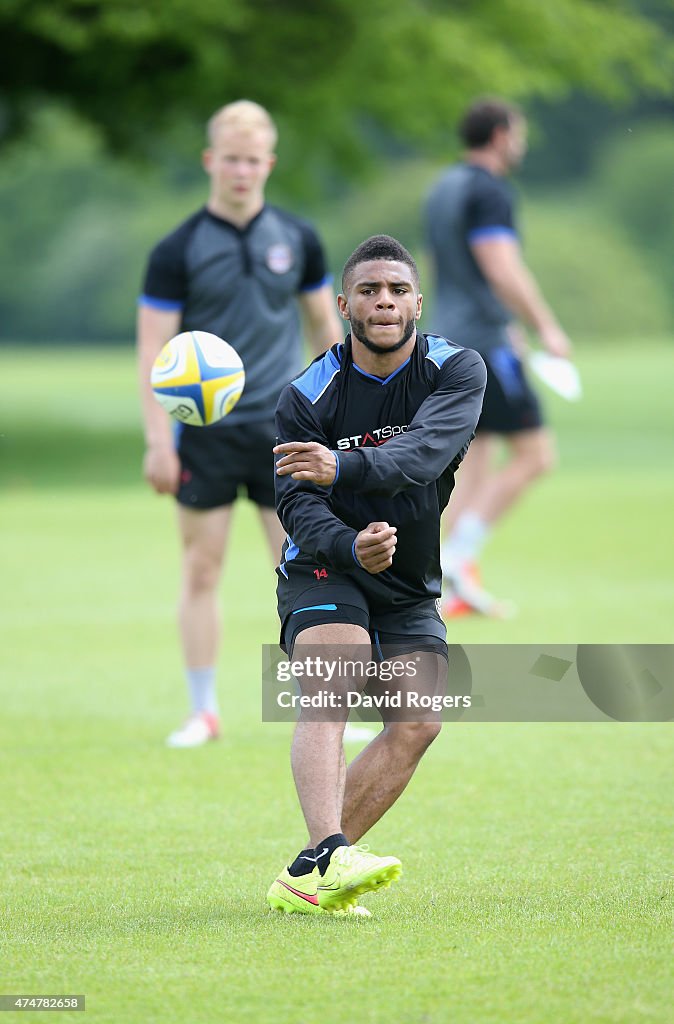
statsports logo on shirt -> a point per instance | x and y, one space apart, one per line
371 438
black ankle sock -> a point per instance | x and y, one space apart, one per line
304 863
325 850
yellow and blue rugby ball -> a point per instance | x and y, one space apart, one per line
198 378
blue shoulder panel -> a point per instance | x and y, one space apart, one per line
439 349
166 305
491 231
313 382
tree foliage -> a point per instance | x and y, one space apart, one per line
637 171
334 72
345 79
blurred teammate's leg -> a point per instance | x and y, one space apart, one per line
484 498
204 536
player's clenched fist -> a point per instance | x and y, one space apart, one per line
307 460
375 547
161 468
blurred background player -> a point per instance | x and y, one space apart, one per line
243 270
482 286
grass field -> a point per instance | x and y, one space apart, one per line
538 857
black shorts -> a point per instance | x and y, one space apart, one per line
510 405
219 462
305 600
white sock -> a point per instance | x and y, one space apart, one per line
201 682
465 541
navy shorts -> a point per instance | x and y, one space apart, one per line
223 462
510 405
306 600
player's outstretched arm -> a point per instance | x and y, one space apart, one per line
500 260
161 466
307 460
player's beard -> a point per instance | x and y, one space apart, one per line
359 331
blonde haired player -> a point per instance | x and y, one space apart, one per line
252 274
244 115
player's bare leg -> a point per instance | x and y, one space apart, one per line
469 478
317 755
204 535
381 772
319 770
483 496
377 777
460 549
531 454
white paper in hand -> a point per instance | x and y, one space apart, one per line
560 375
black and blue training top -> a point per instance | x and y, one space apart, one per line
398 443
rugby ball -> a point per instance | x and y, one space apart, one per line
198 378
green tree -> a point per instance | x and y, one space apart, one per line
634 173
334 69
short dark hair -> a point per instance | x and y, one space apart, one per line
482 117
379 247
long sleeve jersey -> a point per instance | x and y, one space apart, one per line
397 442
